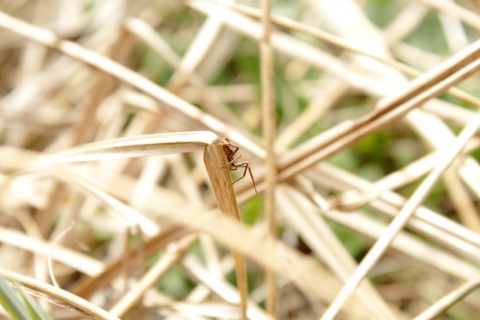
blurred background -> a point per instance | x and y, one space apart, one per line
334 63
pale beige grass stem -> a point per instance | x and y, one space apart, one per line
448 156
112 149
99 191
405 22
174 253
313 229
389 109
217 167
184 69
427 222
329 93
408 244
341 43
353 199
441 306
461 200
88 286
147 145
69 257
134 79
222 288
267 72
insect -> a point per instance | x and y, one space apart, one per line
231 150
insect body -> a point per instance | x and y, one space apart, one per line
230 151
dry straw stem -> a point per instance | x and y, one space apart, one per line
149 145
448 235
408 244
284 43
427 222
80 262
121 180
341 43
222 288
289 264
313 229
353 199
134 79
390 108
419 91
184 68
96 189
269 128
455 10
449 154
439 307
173 255
290 46
217 167
60 296
89 286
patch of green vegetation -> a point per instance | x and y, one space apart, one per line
382 12
378 154
355 243
437 198
18 304
154 68
251 210
101 237
174 282
427 37
458 102
243 67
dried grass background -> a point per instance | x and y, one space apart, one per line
358 118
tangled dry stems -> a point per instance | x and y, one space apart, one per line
82 104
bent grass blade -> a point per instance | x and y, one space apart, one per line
150 145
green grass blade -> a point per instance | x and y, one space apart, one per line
35 311
11 303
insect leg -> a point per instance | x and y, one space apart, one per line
238 165
253 180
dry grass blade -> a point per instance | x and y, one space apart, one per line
429 223
217 168
344 44
151 277
128 76
101 192
354 199
389 109
215 162
98 129
448 156
71 258
140 146
87 287
437 309
323 242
